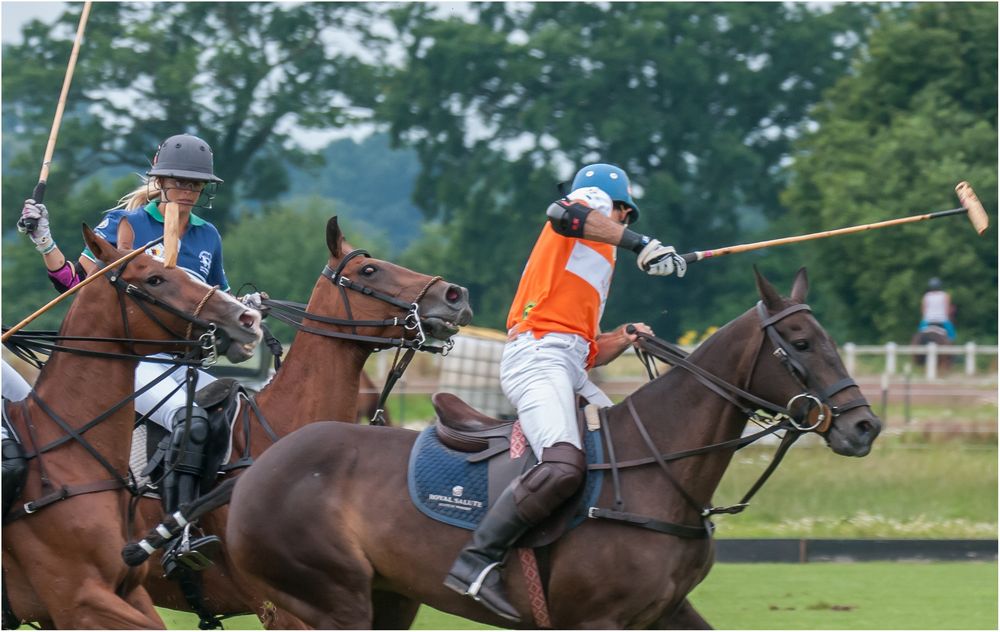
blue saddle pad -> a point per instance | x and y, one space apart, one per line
445 486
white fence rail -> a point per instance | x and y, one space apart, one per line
893 352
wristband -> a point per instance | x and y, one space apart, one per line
46 247
633 241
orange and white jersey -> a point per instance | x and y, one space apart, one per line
565 284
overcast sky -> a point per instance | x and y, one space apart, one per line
13 16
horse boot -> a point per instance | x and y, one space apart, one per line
526 502
185 467
15 467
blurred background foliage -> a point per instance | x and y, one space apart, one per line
437 132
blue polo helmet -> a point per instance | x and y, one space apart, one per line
610 179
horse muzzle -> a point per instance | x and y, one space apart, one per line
854 432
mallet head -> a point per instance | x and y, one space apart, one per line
977 214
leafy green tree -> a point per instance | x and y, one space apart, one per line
698 102
241 75
917 115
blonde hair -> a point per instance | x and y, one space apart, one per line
141 196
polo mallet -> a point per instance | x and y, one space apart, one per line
39 193
971 206
79 286
171 234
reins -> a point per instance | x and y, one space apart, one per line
772 416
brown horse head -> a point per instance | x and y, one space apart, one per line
167 303
813 367
442 307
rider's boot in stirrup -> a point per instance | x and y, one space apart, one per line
475 573
185 467
525 503
15 467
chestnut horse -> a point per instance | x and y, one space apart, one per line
323 524
320 379
61 542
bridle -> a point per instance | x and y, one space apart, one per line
202 352
295 313
773 417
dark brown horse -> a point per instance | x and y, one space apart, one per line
938 335
324 526
61 562
320 379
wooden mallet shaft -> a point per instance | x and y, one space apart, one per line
971 207
39 193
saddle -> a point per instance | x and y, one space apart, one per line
150 441
933 328
461 464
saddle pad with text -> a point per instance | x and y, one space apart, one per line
445 486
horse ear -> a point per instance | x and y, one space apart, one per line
98 245
770 296
334 238
800 286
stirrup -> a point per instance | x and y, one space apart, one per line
477 584
194 553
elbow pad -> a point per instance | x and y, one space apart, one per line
568 218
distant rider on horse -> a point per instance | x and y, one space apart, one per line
182 172
936 309
553 338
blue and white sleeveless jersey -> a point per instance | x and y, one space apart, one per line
200 252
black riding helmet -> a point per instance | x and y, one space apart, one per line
185 157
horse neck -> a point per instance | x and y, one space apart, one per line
680 413
319 380
79 388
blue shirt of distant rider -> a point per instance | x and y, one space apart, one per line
200 253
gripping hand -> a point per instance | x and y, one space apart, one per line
659 260
254 300
41 236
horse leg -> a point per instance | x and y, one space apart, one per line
393 611
139 598
97 607
683 617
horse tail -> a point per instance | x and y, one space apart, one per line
156 538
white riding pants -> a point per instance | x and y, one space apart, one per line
541 378
15 388
146 372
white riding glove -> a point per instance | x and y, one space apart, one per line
659 260
254 300
41 236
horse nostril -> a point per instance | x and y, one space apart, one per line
248 320
864 427
453 294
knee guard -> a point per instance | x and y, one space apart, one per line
187 457
15 467
550 483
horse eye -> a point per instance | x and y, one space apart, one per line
369 270
801 345
154 280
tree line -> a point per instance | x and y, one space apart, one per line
737 122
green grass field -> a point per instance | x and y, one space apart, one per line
870 596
